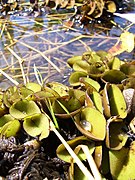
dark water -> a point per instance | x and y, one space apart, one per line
32 41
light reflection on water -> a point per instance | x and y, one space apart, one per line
36 39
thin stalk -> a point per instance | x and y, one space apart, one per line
84 170
38 75
2 30
8 77
20 62
41 53
91 162
52 112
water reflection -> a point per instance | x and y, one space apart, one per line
35 40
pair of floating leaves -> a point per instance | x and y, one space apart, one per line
79 78
34 122
13 94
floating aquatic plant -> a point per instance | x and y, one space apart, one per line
96 102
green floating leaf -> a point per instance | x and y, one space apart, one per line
128 168
116 101
86 55
6 118
70 105
94 58
78 174
11 128
42 95
96 98
88 82
117 159
115 137
114 63
66 108
24 108
37 125
34 87
63 154
73 60
74 78
81 66
46 93
24 93
105 56
59 88
91 123
129 83
97 69
128 68
113 76
77 94
14 94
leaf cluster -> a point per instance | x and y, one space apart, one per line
99 101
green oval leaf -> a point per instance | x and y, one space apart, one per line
116 100
128 168
37 125
6 118
113 76
23 108
73 60
74 78
82 66
88 82
114 63
63 154
117 159
94 120
11 128
128 68
34 87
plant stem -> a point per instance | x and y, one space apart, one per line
71 152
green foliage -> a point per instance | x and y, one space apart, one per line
95 101
37 125
24 108
65 156
11 128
